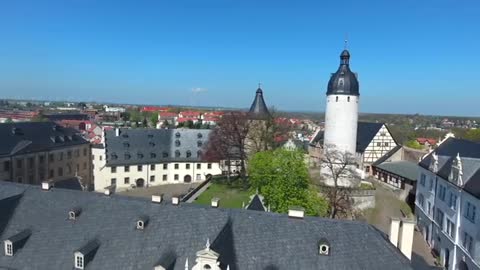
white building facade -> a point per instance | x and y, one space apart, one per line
135 158
447 201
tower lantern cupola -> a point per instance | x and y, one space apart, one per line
343 81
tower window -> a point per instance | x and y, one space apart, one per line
348 99
336 99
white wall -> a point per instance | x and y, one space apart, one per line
103 174
341 119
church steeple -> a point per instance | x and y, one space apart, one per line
259 109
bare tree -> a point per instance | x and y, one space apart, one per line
338 174
227 142
263 133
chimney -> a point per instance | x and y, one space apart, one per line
175 200
46 186
406 237
157 198
401 235
117 132
296 212
215 202
394 230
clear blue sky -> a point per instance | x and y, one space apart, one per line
412 56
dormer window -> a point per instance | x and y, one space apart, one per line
165 154
199 154
177 135
434 163
74 213
79 262
177 153
456 171
127 156
152 144
341 82
142 223
8 248
153 155
189 154
16 242
199 135
323 247
199 143
177 143
124 135
126 145
150 136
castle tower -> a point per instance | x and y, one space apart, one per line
259 110
341 114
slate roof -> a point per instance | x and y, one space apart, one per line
244 239
365 133
470 156
29 137
149 146
259 109
404 169
344 81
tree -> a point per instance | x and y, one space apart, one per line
154 118
473 135
414 144
338 169
228 140
281 176
8 120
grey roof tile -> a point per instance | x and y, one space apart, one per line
244 239
27 137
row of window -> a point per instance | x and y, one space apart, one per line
113 169
176 177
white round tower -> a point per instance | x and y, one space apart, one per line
341 114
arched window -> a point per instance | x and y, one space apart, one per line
177 135
177 143
189 153
336 99
199 143
207 267
177 153
348 99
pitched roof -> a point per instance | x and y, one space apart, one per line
28 137
256 204
404 169
244 239
365 133
259 109
142 146
469 153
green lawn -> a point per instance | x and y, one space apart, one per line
231 196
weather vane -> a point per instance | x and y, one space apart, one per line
346 41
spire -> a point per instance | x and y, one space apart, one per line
259 109
207 245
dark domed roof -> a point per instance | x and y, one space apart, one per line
344 81
259 109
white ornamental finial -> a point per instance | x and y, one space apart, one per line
228 267
186 264
207 245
